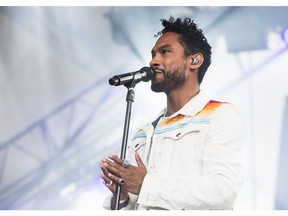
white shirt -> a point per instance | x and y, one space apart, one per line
194 158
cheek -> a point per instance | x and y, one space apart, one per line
181 65
174 64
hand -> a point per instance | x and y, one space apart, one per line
133 176
109 183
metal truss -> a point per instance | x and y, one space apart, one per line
60 148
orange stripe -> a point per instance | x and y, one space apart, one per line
210 107
172 120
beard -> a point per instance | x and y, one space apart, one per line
171 81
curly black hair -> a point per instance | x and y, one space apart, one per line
192 39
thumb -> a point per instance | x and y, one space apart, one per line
138 160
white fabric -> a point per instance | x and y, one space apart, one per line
195 161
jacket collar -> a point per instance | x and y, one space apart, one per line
192 107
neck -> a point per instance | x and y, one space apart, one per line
177 99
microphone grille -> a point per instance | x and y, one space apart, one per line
149 73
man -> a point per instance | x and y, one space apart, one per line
191 156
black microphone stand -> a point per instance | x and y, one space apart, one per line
130 99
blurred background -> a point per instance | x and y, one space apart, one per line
59 116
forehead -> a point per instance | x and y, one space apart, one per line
169 38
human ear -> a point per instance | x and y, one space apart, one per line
196 60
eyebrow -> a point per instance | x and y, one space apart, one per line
161 47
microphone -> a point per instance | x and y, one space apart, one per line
144 74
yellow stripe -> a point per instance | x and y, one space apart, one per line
210 107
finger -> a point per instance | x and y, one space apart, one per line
103 166
116 159
109 183
114 167
110 166
124 163
116 179
115 170
139 160
105 178
111 187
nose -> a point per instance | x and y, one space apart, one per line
155 61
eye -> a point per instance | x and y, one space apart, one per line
164 51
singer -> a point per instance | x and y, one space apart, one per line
192 155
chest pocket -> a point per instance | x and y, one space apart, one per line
189 130
138 141
137 144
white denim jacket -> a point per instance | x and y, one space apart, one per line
194 158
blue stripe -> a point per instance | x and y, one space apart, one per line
193 121
138 136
